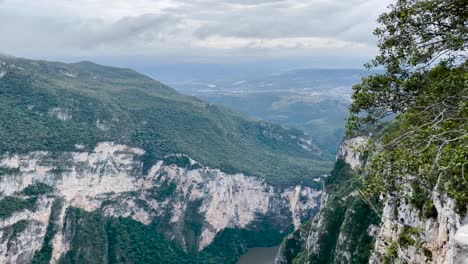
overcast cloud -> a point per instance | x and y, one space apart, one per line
201 28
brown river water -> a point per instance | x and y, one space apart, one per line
260 255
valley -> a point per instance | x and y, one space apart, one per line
314 100
234 132
196 181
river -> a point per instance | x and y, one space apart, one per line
259 255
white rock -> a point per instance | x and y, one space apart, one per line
59 113
349 151
112 172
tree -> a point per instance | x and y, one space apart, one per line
413 36
423 49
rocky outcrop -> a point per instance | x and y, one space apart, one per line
352 228
419 238
326 235
59 113
461 245
349 151
111 180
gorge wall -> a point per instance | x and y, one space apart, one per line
354 228
187 202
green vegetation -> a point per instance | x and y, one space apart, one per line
89 242
193 223
420 200
44 255
44 108
38 188
413 36
427 253
181 161
349 217
322 118
360 216
301 258
408 236
8 171
423 47
345 214
425 84
294 250
327 241
97 239
10 204
392 254
227 247
19 227
166 189
267 230
10 233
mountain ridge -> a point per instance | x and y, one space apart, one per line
84 103
99 164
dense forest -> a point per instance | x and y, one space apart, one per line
56 106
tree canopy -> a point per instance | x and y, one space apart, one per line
413 37
423 49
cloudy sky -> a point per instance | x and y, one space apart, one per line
216 29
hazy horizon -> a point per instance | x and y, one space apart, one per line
318 33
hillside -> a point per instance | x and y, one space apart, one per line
58 107
105 165
313 100
320 114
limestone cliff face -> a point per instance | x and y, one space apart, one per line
348 230
418 238
349 151
111 179
324 236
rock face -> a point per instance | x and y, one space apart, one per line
334 233
420 238
348 230
111 180
349 151
461 245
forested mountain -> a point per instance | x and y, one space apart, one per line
55 106
314 100
102 164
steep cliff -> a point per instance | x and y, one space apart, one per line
187 202
352 227
102 164
52 106
406 199
412 235
343 230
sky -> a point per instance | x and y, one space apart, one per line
191 30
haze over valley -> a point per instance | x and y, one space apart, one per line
315 100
